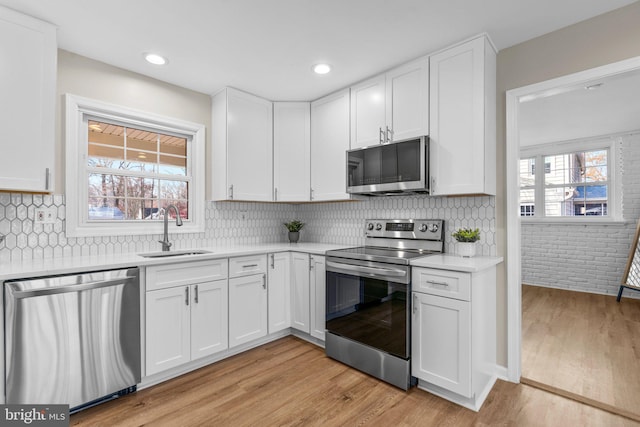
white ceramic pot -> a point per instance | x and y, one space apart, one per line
466 249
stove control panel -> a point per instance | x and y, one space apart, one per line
413 229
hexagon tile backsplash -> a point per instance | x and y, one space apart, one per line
241 223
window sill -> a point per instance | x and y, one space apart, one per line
574 221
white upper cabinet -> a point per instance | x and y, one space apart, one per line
368 112
28 55
407 100
242 155
291 151
391 107
462 119
329 145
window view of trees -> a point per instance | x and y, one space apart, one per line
134 174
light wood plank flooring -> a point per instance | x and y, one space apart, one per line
292 383
583 345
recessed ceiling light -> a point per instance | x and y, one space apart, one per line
155 59
321 68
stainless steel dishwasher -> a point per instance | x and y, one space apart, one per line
72 339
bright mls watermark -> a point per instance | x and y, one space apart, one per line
34 415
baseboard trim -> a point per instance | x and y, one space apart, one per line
578 398
630 295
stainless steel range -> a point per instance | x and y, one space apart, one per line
368 297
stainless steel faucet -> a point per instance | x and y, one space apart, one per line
166 245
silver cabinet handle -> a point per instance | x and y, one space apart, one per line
249 265
231 192
415 303
186 295
389 135
46 179
381 136
264 281
311 194
275 194
433 282
273 261
195 297
69 288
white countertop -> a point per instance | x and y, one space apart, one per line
75 264
457 263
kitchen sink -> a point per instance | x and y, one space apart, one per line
165 254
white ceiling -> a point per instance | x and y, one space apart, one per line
576 112
267 47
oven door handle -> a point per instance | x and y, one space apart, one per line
368 270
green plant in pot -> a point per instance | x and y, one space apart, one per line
466 238
294 228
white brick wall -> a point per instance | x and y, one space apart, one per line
586 257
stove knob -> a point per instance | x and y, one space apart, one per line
378 226
433 228
370 226
423 227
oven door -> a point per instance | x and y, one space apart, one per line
368 302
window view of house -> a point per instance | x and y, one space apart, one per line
574 184
135 173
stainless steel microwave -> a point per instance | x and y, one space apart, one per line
398 167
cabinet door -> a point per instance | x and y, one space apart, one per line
167 329
300 310
317 303
291 151
247 309
329 143
279 290
441 342
368 112
27 105
249 146
408 100
458 121
209 304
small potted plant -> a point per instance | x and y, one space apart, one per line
466 238
294 228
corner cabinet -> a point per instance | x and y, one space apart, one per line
186 313
391 107
463 119
242 154
308 294
329 143
291 151
453 333
27 106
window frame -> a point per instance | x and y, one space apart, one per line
611 143
78 110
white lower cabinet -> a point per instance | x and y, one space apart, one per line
308 294
248 308
186 319
279 291
453 333
317 296
300 310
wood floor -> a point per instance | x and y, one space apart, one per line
292 383
585 345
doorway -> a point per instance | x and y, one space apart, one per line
515 98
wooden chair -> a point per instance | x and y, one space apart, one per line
631 277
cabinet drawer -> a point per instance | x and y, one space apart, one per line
451 284
246 265
185 273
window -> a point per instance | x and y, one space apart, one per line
124 167
579 181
